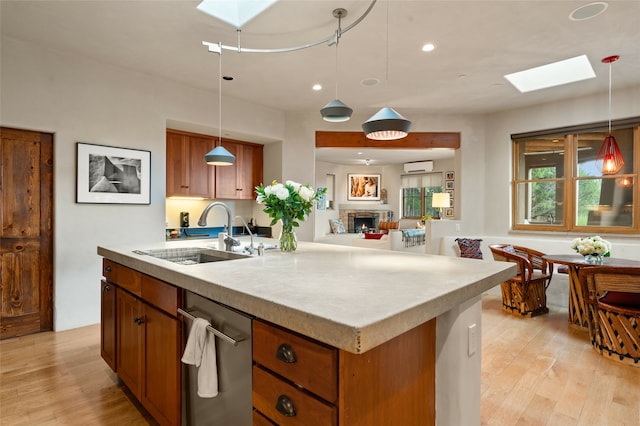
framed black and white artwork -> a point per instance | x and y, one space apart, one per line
112 175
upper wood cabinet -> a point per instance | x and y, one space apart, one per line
189 176
187 173
237 182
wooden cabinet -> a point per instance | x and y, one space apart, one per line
237 182
299 381
187 173
147 340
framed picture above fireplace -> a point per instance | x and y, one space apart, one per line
363 187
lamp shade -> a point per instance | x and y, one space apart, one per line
441 200
609 157
219 156
386 125
336 111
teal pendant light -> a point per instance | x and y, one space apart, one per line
336 111
219 156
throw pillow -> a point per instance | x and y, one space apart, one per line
469 248
337 227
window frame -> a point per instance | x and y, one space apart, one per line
570 179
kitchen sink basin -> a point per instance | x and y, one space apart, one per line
192 255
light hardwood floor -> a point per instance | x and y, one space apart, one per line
535 371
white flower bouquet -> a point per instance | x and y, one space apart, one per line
592 246
289 203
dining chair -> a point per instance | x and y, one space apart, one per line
612 296
526 292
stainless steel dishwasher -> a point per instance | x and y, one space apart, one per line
233 404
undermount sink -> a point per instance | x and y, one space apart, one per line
192 255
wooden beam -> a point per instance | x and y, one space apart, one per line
414 140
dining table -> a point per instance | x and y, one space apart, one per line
578 315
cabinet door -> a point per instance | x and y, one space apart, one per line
130 324
201 175
108 324
226 184
239 180
250 173
187 173
161 388
177 170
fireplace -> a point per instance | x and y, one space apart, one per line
363 224
370 215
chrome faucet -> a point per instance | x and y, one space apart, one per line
229 241
251 249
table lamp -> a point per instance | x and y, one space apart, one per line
441 200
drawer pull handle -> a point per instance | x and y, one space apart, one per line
285 406
106 288
107 269
286 354
138 320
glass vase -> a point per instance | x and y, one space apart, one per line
288 240
594 259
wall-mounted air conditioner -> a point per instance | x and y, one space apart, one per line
418 167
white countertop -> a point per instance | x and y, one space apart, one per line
351 298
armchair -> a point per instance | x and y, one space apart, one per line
612 297
525 293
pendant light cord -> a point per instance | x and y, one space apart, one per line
609 97
386 76
338 35
220 99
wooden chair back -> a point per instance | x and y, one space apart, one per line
612 296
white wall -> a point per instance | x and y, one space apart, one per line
82 100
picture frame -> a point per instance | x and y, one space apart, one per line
363 187
450 192
449 184
449 175
112 175
448 212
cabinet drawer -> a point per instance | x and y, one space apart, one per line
109 270
121 275
268 391
315 366
160 294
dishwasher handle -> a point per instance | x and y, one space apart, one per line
233 340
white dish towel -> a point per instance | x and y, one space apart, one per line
201 352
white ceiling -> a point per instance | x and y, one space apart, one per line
477 43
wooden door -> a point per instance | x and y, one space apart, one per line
26 235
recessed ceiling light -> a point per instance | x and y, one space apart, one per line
429 47
370 82
588 11
317 87
554 74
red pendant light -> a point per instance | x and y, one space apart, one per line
609 158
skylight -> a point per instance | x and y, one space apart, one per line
234 12
554 74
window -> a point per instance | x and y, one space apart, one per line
417 192
559 185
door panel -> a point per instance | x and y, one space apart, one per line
26 243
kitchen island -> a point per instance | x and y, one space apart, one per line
422 311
